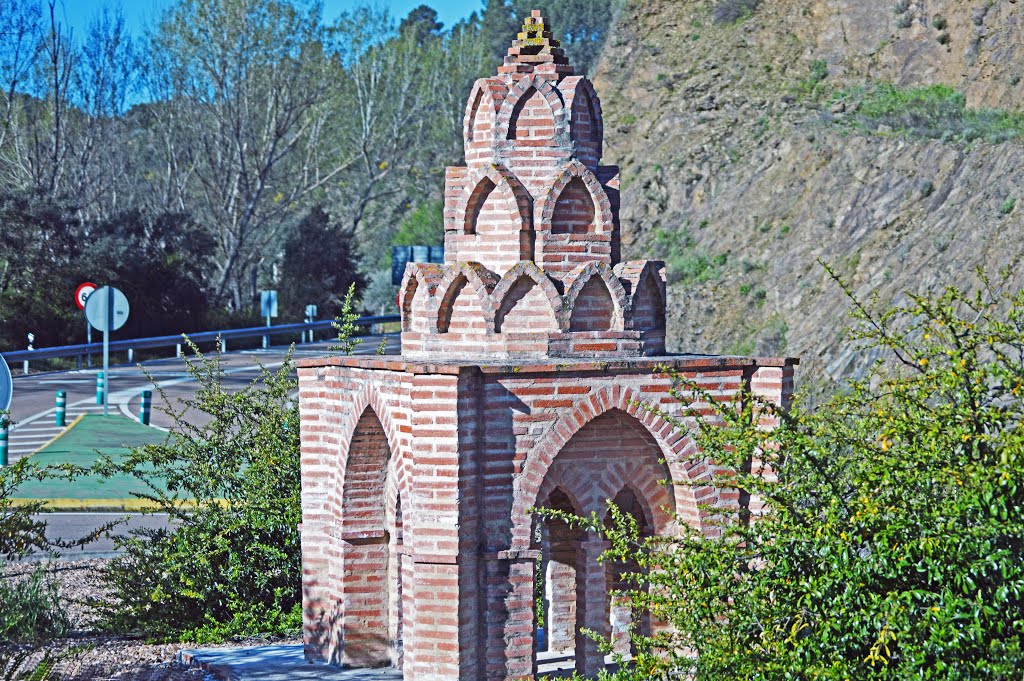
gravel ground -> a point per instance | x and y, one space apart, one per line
86 654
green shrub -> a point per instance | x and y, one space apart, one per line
939 22
31 609
934 112
810 85
229 564
891 542
1008 205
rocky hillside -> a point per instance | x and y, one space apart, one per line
750 150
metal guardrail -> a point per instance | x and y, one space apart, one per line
132 344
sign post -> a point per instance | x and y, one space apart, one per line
82 294
107 310
268 309
311 312
6 392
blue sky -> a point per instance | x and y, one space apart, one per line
140 13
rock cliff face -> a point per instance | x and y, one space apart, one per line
745 161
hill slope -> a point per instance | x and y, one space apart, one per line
751 150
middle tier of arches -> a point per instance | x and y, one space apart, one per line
597 309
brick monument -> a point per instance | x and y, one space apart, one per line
527 371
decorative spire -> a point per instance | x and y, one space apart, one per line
535 49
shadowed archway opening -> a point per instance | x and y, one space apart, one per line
612 458
370 635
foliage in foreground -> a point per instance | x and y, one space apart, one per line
30 609
230 564
891 545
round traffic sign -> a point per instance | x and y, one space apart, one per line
6 384
83 292
107 309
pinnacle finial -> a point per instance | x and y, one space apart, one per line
535 49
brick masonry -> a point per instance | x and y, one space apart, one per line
533 373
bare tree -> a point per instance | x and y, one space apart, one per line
19 42
243 89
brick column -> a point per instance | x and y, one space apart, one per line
364 589
510 642
561 621
592 606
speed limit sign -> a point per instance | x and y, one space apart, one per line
83 292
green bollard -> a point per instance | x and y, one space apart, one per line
147 406
62 409
3 441
101 387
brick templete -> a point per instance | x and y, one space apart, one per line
528 378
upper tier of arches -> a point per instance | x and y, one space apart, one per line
534 111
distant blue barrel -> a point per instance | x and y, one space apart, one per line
101 387
60 417
3 441
147 407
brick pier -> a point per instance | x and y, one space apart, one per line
527 371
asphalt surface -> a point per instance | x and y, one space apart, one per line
70 527
33 407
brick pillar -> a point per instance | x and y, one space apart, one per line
592 605
364 587
510 642
561 593
621 618
438 653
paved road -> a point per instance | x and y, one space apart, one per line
73 526
32 409
33 413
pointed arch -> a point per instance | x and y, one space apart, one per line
691 479
475 99
365 570
425 276
647 304
481 109
364 483
517 283
532 118
517 96
479 281
544 211
576 295
574 210
495 180
587 121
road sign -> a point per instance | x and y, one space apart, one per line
311 313
6 385
83 292
400 255
107 309
268 303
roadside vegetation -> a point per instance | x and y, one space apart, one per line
890 544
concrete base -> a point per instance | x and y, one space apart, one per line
275 663
286 663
